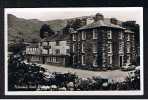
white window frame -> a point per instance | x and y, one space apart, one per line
83 60
121 47
128 60
109 34
74 37
82 49
110 59
74 59
110 47
95 61
128 47
94 34
83 35
73 47
94 48
128 37
121 35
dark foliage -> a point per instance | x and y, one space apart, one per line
22 74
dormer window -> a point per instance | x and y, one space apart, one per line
94 33
83 35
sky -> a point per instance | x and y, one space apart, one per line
44 14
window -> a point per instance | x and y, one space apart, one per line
120 35
35 58
79 37
83 35
57 43
94 33
74 37
55 59
121 47
109 34
128 47
73 47
48 59
109 48
128 59
57 51
67 43
83 60
95 61
94 48
103 59
67 51
74 59
45 44
128 37
110 59
82 47
51 59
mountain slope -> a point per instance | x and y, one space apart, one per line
29 29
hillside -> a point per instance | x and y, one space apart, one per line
29 29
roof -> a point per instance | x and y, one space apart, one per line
33 45
58 37
100 23
128 31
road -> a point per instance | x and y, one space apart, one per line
116 75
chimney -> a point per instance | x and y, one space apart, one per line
89 20
98 16
83 22
114 21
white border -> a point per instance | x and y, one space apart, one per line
139 92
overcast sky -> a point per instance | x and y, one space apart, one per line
44 14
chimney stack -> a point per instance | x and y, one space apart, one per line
83 21
114 21
99 16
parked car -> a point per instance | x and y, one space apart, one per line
128 67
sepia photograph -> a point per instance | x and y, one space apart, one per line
74 51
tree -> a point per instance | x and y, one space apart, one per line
22 74
46 31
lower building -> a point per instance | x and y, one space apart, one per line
53 51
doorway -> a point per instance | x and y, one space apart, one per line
121 61
43 59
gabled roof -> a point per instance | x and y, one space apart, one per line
100 23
